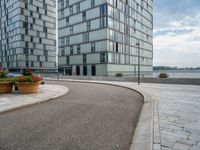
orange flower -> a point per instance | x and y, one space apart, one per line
37 78
21 78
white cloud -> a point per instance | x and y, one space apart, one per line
174 46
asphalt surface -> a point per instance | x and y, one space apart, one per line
90 117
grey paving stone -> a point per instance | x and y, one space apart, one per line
182 146
166 142
157 147
166 148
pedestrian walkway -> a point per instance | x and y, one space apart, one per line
176 116
177 110
46 92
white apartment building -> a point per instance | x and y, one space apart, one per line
98 37
28 34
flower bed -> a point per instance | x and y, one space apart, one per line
26 84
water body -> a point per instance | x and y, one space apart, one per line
179 73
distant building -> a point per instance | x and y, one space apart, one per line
28 34
98 37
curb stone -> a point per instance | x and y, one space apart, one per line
144 132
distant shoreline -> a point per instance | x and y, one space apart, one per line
178 73
174 68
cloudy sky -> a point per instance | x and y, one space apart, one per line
177 33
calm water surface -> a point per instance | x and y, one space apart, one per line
179 73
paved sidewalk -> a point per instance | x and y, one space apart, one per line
46 92
176 116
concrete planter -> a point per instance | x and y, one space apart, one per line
6 87
28 87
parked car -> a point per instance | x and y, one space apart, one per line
14 74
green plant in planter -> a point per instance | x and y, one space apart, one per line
163 75
28 84
3 73
27 79
27 72
6 80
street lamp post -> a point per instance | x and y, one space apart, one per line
20 68
138 45
57 72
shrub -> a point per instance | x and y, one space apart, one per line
6 80
28 79
119 75
3 73
163 75
27 72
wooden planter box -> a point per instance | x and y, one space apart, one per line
28 87
6 87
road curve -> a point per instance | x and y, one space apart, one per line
90 117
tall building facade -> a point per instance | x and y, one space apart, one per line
28 34
99 37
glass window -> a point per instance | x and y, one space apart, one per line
84 16
110 58
71 29
111 46
71 10
103 57
78 49
93 47
67 21
116 14
62 13
41 64
103 9
111 34
110 22
63 52
62 4
85 37
32 64
84 59
71 50
117 47
92 3
68 60
103 22
67 3
62 42
88 26
110 11
78 7
67 41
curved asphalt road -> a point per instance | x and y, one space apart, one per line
90 117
